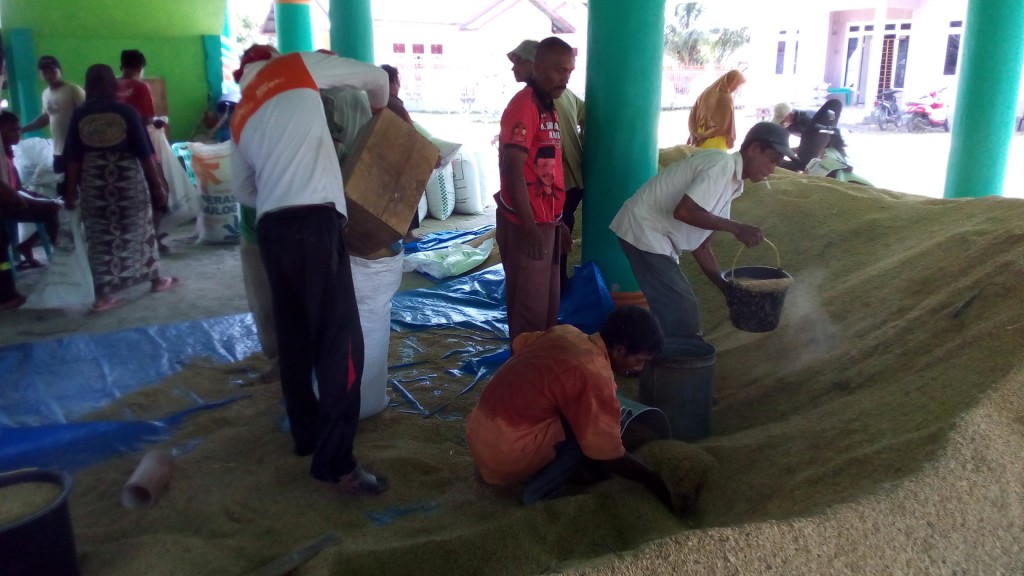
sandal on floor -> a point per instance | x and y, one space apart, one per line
165 284
359 481
28 264
105 305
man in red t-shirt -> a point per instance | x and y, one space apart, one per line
529 230
131 90
552 409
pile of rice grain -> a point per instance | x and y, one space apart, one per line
23 499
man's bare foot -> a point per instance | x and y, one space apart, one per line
104 304
13 304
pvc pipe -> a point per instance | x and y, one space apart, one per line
149 480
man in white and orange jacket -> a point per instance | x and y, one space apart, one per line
285 166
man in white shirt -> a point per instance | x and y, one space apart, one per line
677 210
284 165
60 99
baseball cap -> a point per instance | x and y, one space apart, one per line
255 53
48 62
774 135
527 50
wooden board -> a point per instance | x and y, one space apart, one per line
385 175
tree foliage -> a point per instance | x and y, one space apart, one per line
691 45
727 41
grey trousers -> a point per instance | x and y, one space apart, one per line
669 295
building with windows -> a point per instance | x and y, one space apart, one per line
860 46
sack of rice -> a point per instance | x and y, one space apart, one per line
217 222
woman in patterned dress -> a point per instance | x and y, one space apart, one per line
110 170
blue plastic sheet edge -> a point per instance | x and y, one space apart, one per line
74 446
445 238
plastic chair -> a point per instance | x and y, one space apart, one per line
184 154
12 233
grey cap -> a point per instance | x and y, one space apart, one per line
774 135
527 50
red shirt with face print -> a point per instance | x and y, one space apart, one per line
532 127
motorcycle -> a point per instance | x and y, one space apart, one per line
927 112
822 149
887 110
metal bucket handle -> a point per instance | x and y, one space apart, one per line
778 260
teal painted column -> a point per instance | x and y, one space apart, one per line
352 29
214 67
294 25
621 151
986 102
22 73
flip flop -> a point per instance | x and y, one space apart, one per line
359 481
28 264
165 284
107 305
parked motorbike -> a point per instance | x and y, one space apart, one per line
887 110
927 112
822 149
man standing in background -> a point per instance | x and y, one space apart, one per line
131 90
60 99
528 225
571 112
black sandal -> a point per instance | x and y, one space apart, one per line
28 264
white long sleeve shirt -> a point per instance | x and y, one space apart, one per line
283 155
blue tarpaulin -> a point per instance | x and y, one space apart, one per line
477 302
445 238
48 385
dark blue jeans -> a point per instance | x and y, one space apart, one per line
549 481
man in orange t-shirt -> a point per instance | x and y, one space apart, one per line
552 407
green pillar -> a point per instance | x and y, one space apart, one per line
352 29
621 151
990 71
294 25
22 74
214 66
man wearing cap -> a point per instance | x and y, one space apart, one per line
677 210
284 164
528 225
60 99
571 112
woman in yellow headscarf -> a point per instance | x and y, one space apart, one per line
711 118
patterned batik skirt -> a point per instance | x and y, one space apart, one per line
118 218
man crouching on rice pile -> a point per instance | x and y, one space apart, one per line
284 165
677 210
550 413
